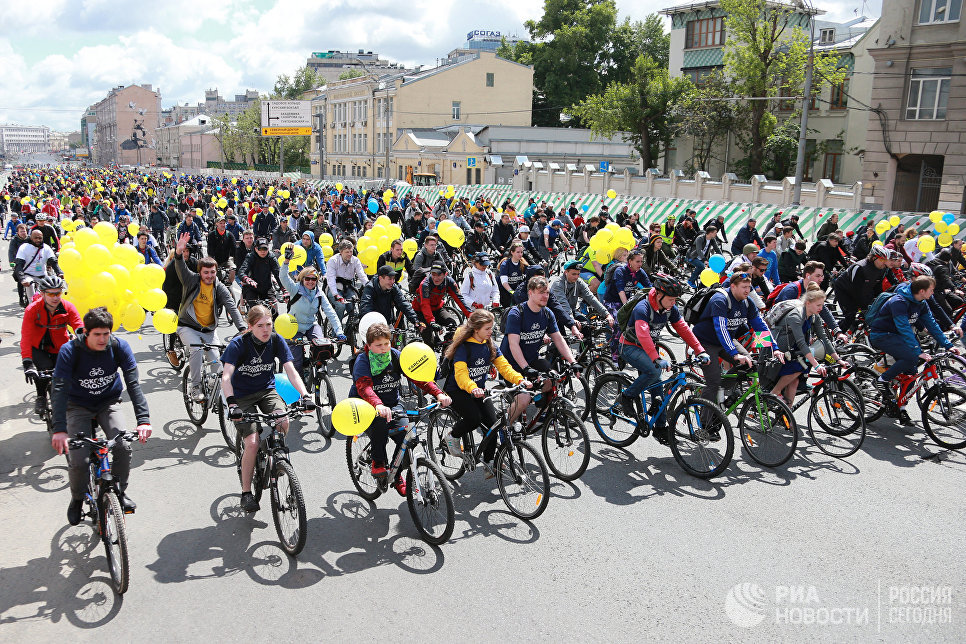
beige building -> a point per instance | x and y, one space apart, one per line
360 119
127 122
171 138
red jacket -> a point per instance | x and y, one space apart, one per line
429 297
37 321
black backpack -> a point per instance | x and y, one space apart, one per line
699 302
624 314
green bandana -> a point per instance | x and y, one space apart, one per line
379 362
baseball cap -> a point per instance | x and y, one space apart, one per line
749 248
482 258
385 270
261 242
438 267
524 229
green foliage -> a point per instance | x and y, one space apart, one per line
293 87
639 38
350 74
706 117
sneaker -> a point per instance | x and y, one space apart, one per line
173 359
379 472
75 511
197 395
40 405
660 432
127 503
628 406
903 416
885 392
248 502
453 444
400 485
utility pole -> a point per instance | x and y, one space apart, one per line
385 111
281 157
320 138
803 135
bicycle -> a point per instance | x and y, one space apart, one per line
210 387
315 376
47 415
560 422
172 342
836 408
698 433
103 506
351 327
521 474
428 495
274 472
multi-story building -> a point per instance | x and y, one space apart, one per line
916 154
58 141
24 139
331 64
214 106
836 137
361 118
170 138
481 40
88 125
127 122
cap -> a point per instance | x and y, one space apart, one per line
524 229
261 241
438 267
749 248
386 270
571 264
482 258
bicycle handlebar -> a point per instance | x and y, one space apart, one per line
83 441
294 410
207 346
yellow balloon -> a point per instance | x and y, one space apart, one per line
121 276
152 276
894 220
418 361
445 225
248 188
132 317
68 225
70 260
927 244
709 277
106 233
352 416
455 237
371 269
945 240
97 257
953 229
299 255
390 193
326 239
377 231
942 227
286 325
624 238
395 232
165 321
271 209
234 181
222 203
603 257
410 247
152 299
611 226
338 187
386 199
84 238
601 240
383 243
132 229
103 285
611 194
327 251
936 216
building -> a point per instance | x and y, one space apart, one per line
481 40
214 106
88 126
58 142
127 122
362 118
24 139
915 159
834 150
170 137
331 64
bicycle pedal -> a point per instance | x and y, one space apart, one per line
128 511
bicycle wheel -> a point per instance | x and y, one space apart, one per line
439 421
566 445
859 355
430 502
178 347
197 412
598 367
359 459
325 402
768 429
836 423
944 416
609 420
523 480
701 438
577 391
227 427
288 508
664 351
115 541
872 404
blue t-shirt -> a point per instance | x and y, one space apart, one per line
656 320
92 376
514 274
725 319
478 363
254 367
385 385
625 280
531 327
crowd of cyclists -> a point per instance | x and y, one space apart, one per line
525 298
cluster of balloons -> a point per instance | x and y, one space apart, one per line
712 274
451 233
945 225
376 241
886 225
353 416
449 192
101 272
608 239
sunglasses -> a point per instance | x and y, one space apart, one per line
310 279
741 276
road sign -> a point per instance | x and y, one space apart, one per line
471 162
604 166
286 118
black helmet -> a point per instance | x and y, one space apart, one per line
52 283
670 286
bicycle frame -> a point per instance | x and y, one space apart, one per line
910 385
672 384
412 443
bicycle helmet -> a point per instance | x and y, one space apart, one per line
894 255
556 222
52 283
917 269
668 285
879 252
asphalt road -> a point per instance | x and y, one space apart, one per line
818 549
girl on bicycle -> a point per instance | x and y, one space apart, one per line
472 352
512 273
376 378
305 300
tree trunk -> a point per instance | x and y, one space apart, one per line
645 149
757 152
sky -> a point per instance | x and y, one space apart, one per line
59 56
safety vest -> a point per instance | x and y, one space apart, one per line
667 234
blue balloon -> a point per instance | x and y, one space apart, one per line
286 390
585 207
949 218
717 263
373 206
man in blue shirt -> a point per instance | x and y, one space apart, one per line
768 252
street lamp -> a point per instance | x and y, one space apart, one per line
803 134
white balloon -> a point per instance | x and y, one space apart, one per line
367 321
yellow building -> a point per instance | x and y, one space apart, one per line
360 119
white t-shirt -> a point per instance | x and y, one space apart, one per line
37 258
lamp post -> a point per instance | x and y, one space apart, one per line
803 134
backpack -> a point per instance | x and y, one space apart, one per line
773 296
872 312
699 302
609 273
778 312
624 312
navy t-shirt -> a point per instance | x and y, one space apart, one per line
254 367
92 376
531 327
385 385
477 359
513 273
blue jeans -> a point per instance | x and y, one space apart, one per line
698 267
649 372
907 360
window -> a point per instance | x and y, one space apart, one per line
826 37
928 93
936 11
698 75
456 110
708 32
489 79
833 166
840 99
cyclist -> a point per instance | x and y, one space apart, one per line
638 345
829 252
429 298
306 298
376 378
49 232
221 248
242 250
248 381
748 234
342 271
429 254
202 299
146 250
627 278
703 247
512 273
473 354
190 227
813 273
892 331
656 258
396 258
568 289
382 295
554 233
35 260
503 233
86 387
258 272
479 286
856 287
47 324
283 234
728 315
768 252
313 252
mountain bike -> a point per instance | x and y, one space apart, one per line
698 431
521 474
274 472
103 507
316 379
48 412
428 494
210 386
351 327
836 412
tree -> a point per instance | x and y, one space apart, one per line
292 88
350 74
765 56
633 39
642 109
707 116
